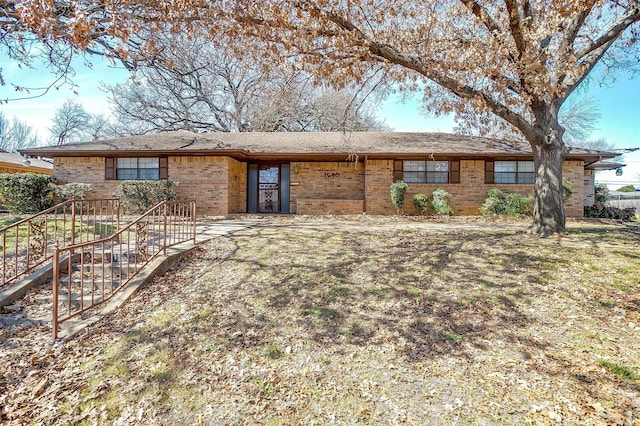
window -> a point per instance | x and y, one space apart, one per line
142 168
512 172
430 171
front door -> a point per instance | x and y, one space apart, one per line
269 189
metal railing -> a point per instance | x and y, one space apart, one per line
88 274
29 243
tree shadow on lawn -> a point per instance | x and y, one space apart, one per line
430 295
433 293
607 232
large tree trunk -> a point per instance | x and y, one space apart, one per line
548 156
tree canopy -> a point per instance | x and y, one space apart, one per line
15 134
516 59
189 84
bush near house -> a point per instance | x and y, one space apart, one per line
601 193
27 193
71 191
567 189
421 203
440 202
23 193
398 192
599 210
512 204
138 196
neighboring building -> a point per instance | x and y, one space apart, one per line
313 173
15 163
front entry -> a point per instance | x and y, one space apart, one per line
268 188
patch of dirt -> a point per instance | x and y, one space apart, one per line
349 320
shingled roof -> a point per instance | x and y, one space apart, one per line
290 145
15 161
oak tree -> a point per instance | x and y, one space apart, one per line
517 59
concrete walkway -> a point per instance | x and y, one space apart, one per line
208 230
205 231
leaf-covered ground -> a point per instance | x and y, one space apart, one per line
360 320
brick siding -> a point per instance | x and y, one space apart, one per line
323 206
219 185
207 179
85 170
466 196
210 180
378 178
326 181
237 186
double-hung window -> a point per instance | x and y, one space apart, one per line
420 171
510 172
136 168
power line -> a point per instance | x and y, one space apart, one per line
621 182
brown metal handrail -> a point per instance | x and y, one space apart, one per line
88 274
29 243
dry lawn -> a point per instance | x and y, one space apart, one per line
358 320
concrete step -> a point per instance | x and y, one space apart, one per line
47 299
11 320
108 269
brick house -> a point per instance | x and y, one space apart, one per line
314 173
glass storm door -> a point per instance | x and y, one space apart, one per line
269 189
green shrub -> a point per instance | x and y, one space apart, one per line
26 192
513 204
518 205
440 202
398 191
567 189
421 202
601 193
494 204
71 191
138 196
627 188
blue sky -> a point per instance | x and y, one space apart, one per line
619 105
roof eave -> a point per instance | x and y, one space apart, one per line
242 154
43 152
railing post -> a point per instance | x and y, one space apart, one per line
193 214
4 258
117 214
73 222
164 248
56 261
